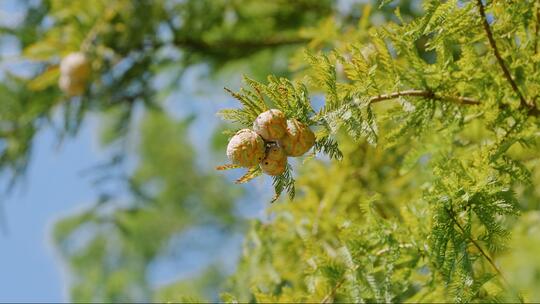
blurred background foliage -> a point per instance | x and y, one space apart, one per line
141 53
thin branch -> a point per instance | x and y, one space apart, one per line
224 45
338 285
493 44
228 47
334 290
536 28
532 111
486 256
473 241
425 94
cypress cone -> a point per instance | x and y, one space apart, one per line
74 74
270 125
298 139
246 148
275 161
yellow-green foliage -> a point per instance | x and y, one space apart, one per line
438 128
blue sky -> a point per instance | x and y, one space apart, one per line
30 270
53 187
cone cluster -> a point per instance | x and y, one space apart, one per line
272 140
74 74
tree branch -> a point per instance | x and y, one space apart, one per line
425 94
199 44
531 110
493 44
233 47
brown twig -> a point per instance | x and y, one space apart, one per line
493 44
532 111
425 94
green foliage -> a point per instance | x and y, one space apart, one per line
521 263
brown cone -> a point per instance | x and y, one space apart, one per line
270 125
299 138
246 148
275 161
74 74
